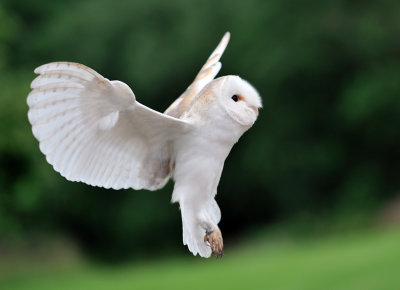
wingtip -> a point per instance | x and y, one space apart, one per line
37 70
227 35
226 38
221 45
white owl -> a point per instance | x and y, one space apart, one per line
93 130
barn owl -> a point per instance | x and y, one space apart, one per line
93 130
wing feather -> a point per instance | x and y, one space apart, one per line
93 130
207 73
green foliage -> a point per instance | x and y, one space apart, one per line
327 138
367 260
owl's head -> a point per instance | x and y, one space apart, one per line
239 99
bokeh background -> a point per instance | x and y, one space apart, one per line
309 196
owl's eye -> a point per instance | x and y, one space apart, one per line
235 98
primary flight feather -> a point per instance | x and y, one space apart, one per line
93 130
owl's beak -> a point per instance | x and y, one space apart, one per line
255 109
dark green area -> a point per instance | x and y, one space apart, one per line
326 142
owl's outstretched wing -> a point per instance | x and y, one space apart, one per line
207 73
93 130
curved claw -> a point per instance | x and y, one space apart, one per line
214 240
220 254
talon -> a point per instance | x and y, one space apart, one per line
214 239
220 254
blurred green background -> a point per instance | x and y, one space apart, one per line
309 196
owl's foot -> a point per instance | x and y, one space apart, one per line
214 239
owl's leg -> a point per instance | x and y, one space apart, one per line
214 238
200 231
